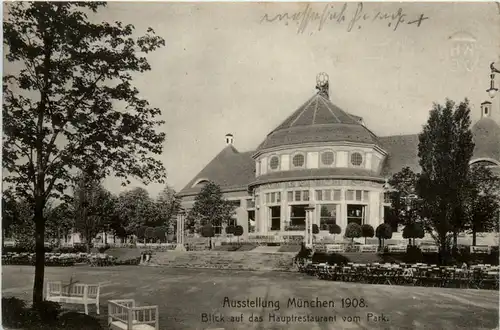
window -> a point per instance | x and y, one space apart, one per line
232 222
298 196
356 213
356 159
217 225
275 212
328 216
387 198
251 221
357 195
274 163
298 217
235 203
273 198
298 160
328 195
327 158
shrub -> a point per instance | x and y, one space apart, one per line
13 312
238 230
141 232
207 231
414 255
334 229
413 230
353 230
315 229
230 230
160 233
79 321
102 249
383 231
48 311
367 231
149 233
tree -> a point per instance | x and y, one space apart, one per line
445 149
135 208
403 196
383 232
208 231
60 222
141 232
9 214
160 233
334 229
315 229
230 230
168 205
483 203
238 231
149 234
65 106
92 207
209 207
353 230
367 231
413 230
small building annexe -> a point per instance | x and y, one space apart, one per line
324 157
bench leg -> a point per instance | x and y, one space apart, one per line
86 309
97 306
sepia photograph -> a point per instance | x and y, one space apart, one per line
250 165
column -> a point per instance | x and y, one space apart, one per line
374 208
180 232
309 223
284 210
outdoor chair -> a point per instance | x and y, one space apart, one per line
125 315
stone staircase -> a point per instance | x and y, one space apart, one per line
224 260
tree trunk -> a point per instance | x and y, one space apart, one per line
105 238
455 239
39 249
474 236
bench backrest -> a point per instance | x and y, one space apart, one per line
429 248
480 249
127 312
91 291
397 248
334 248
368 248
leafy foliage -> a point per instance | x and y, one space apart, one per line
167 206
149 233
72 104
367 230
405 205
230 230
238 230
209 208
92 206
334 229
445 149
413 230
353 230
383 232
315 229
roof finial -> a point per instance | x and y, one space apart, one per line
322 84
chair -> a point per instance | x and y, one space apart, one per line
125 315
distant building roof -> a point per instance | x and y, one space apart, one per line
230 169
318 120
402 152
486 134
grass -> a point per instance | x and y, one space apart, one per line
184 294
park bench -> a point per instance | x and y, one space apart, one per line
368 248
334 248
125 315
480 249
429 248
74 293
397 248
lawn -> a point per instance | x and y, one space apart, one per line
183 295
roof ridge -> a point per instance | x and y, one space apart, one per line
304 110
329 109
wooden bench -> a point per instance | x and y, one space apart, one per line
74 293
429 248
125 315
334 248
396 248
368 248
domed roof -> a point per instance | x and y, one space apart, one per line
486 133
319 120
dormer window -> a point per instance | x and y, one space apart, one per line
298 161
356 159
274 163
327 158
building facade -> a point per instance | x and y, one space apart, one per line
323 157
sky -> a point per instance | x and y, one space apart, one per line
237 68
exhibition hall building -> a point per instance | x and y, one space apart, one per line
325 160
